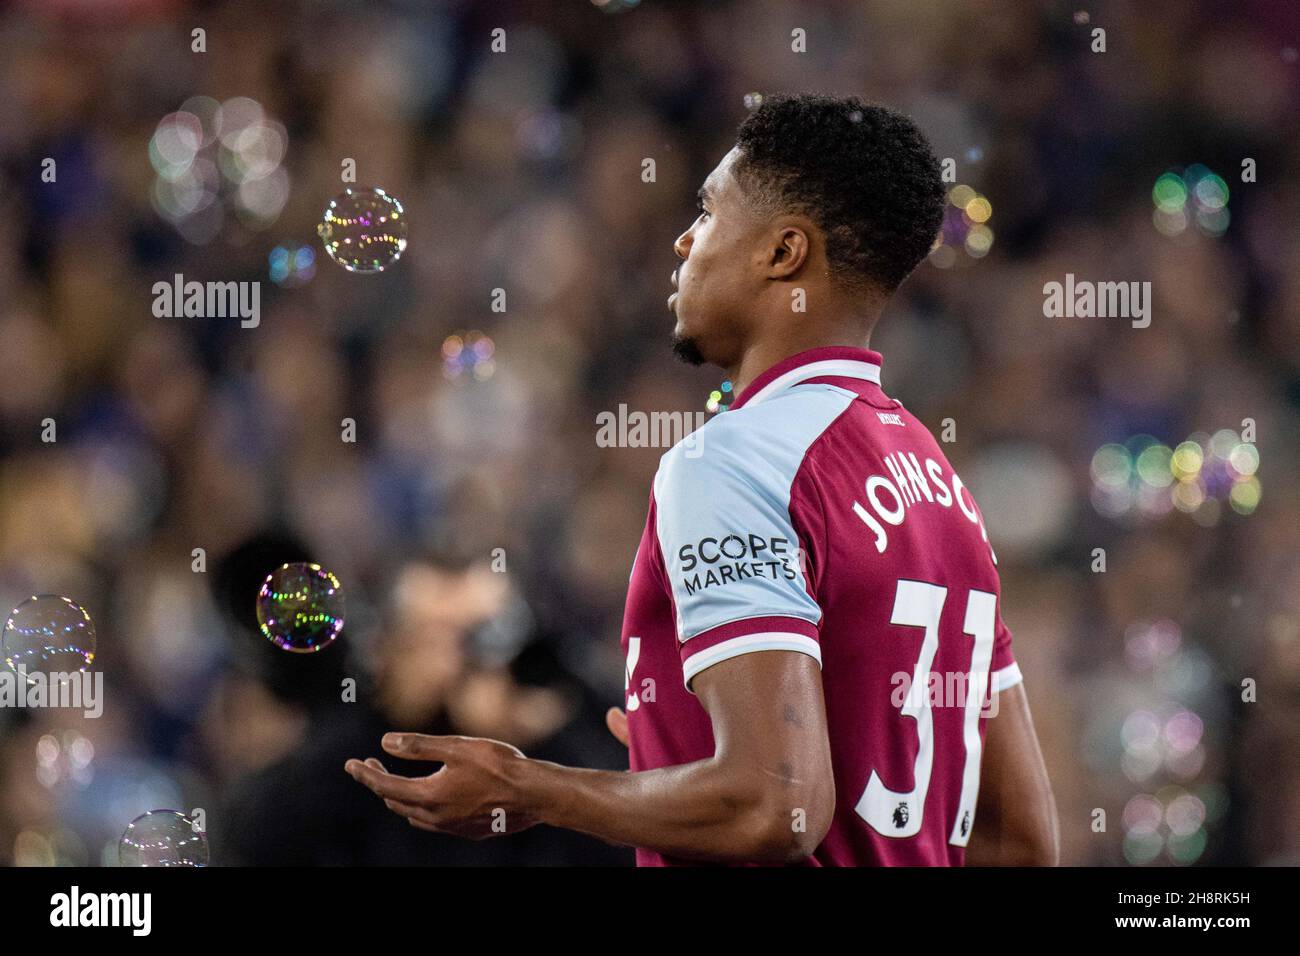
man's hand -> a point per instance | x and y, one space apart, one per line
474 795
766 795
616 721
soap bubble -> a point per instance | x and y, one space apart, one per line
300 607
48 634
364 230
162 838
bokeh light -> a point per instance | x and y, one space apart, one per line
1171 822
63 759
215 159
720 398
468 355
1196 197
291 264
1199 476
964 234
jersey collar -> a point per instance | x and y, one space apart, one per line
839 361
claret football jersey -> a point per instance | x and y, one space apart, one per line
817 516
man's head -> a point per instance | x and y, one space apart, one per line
825 194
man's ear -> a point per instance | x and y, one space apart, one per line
789 251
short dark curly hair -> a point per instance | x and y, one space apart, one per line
865 174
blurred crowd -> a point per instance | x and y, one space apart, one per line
483 538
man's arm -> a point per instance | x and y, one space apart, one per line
1015 821
767 794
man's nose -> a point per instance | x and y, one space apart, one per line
682 246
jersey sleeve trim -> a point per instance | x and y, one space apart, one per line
1005 677
745 637
737 646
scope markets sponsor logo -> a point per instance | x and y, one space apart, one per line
735 557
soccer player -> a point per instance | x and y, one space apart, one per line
817 668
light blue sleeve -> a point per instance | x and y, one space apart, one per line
730 547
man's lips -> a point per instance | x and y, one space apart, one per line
672 299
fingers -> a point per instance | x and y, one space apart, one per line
385 784
417 815
616 721
420 746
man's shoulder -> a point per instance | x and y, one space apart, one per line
765 442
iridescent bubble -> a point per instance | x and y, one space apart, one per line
48 634
364 230
300 608
163 838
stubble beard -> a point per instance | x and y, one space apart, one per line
688 350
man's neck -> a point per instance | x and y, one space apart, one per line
760 356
